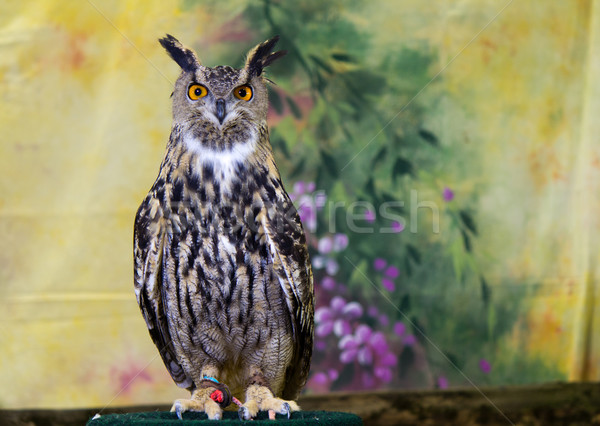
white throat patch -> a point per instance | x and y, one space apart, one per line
224 163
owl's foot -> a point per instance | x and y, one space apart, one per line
260 398
210 397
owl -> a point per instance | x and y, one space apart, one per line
221 267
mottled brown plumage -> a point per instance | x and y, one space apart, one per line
222 273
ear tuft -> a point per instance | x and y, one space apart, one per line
261 56
184 57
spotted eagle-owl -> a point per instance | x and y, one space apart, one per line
222 273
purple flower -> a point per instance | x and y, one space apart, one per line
336 317
379 264
320 199
299 188
333 374
373 311
348 354
442 382
331 266
384 320
370 216
392 272
368 349
318 262
448 194
399 328
308 204
325 245
307 213
362 344
388 359
397 226
388 284
328 283
352 344
367 379
340 242
326 377
409 340
320 345
320 378
384 374
485 366
323 379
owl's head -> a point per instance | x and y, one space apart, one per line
220 106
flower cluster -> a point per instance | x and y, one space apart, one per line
390 273
327 246
357 345
400 330
369 349
346 333
337 317
396 226
308 202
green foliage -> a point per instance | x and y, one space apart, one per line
365 138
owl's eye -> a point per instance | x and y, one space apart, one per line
197 91
243 92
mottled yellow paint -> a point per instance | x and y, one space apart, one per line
84 113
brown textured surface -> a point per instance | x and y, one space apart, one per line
550 404
559 403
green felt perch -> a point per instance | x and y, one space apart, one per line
229 417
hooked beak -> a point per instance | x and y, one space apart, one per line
220 110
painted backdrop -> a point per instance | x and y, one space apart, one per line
444 157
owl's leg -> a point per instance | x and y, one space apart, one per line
209 397
260 398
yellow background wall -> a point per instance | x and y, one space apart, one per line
85 115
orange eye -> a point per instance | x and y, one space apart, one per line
243 92
197 91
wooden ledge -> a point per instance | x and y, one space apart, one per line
548 404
